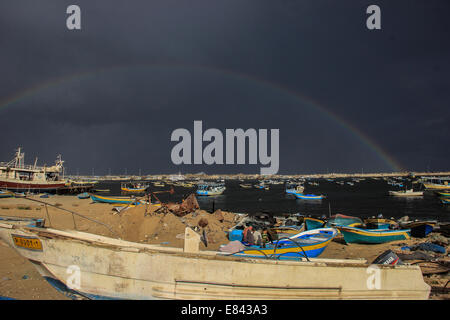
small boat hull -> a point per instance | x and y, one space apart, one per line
137 190
6 194
83 195
97 198
298 189
359 235
406 193
312 223
343 220
308 196
304 244
208 193
434 186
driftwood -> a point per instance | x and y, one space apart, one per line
444 290
187 206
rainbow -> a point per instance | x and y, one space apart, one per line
310 102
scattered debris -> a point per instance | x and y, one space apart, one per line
439 239
232 247
426 246
418 255
202 223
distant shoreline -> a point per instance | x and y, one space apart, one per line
188 176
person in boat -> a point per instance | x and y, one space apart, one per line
248 235
258 238
266 237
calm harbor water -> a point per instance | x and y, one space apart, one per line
365 199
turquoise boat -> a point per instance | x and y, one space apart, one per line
83 195
308 196
6 194
359 235
313 223
445 200
309 244
343 220
97 198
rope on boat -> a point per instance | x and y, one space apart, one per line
295 242
275 249
266 256
74 213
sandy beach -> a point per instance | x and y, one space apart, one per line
20 280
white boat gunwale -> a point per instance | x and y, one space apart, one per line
168 287
123 245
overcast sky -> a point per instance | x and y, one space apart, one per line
108 96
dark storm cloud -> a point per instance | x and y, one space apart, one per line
138 70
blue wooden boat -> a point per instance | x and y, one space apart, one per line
309 196
83 195
97 198
445 200
359 235
313 223
305 244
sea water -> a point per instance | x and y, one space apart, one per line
366 198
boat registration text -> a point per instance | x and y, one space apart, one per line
27 242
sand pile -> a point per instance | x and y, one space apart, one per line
157 227
163 228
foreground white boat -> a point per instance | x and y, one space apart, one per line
101 267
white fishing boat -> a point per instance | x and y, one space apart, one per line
294 190
97 267
406 193
210 189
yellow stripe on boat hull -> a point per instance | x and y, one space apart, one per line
293 248
379 234
133 190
